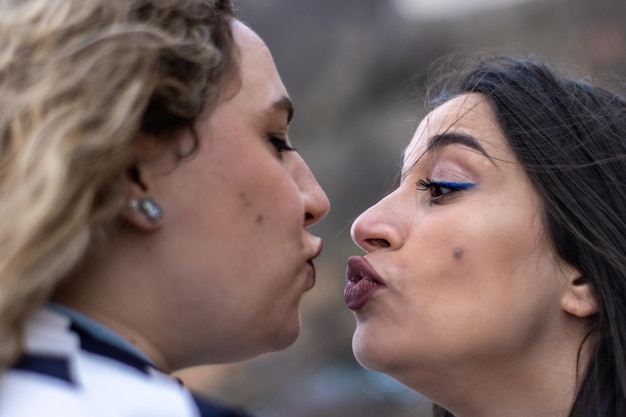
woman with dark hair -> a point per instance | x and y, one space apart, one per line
494 280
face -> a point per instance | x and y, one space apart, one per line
457 274
234 247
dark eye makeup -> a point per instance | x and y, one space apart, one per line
440 191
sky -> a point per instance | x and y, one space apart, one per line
442 9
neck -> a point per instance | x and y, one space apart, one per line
112 291
538 384
119 327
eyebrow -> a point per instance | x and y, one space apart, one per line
451 138
455 138
284 104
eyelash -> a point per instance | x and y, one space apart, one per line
280 144
438 189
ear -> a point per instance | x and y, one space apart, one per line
142 209
578 297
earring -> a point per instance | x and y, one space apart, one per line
148 207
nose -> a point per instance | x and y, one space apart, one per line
316 203
379 227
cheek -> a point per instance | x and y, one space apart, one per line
472 271
268 203
503 283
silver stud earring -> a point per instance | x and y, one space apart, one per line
151 209
148 207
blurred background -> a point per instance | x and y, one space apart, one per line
356 70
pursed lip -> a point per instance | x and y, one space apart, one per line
362 281
312 265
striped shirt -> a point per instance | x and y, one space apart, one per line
71 367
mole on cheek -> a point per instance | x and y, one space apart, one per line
259 219
244 199
457 253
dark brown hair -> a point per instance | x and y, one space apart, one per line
570 137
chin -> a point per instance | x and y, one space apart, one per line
367 355
285 335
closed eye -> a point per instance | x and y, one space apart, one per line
280 144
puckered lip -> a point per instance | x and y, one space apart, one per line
360 269
310 263
318 251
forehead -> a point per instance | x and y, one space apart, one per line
259 78
469 114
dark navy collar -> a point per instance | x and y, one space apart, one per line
92 334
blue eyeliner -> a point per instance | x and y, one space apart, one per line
454 185
440 191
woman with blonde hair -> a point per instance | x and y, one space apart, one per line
155 213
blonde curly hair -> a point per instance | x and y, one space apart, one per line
79 79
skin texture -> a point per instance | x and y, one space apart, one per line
220 277
477 313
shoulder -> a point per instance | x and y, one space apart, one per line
26 394
209 408
57 377
66 372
